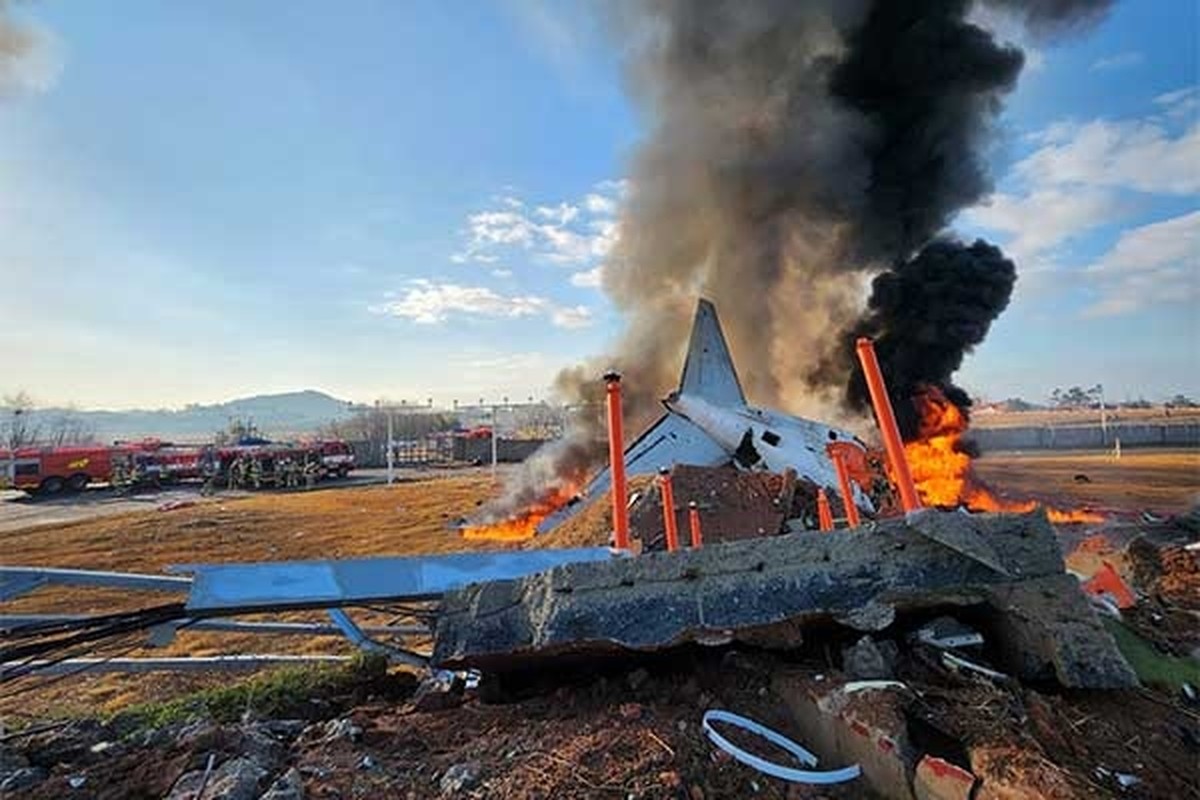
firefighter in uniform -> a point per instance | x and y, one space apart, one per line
311 467
255 472
237 472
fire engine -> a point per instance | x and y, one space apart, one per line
53 470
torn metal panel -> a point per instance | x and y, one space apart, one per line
226 588
16 581
748 590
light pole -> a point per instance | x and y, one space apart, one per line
495 449
391 456
11 467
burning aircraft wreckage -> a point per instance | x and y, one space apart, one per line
835 537
846 137
517 609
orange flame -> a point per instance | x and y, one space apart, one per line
523 525
942 469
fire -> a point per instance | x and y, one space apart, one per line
522 525
942 469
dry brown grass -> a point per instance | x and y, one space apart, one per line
1161 480
404 519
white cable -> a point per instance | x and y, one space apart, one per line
779 740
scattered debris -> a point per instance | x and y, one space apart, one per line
960 664
869 660
460 777
948 633
767 767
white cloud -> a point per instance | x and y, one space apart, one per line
572 317
599 204
1151 264
1125 60
1044 217
560 214
1082 177
588 278
1180 104
1141 155
426 302
570 233
502 273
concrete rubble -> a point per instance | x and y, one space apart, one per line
1006 568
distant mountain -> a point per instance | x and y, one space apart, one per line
275 415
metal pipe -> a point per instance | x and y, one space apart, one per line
668 504
391 448
694 524
495 445
824 514
616 461
843 474
888 428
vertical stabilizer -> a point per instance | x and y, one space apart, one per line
708 371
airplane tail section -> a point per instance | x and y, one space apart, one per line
708 371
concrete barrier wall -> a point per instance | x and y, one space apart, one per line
1088 437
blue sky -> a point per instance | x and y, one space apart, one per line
411 200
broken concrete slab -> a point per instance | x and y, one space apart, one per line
749 590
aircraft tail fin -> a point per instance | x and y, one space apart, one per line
708 371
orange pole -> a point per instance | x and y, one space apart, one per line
888 428
694 524
824 515
843 474
668 503
616 461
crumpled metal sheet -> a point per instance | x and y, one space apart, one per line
324 583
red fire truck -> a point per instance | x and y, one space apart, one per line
51 470
337 457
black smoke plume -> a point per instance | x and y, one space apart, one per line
794 148
925 315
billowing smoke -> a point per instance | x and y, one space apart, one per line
26 58
925 315
794 149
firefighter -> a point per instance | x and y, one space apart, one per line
208 472
120 473
311 468
237 472
288 468
255 472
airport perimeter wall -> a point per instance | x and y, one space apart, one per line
1088 437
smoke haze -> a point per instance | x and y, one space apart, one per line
793 150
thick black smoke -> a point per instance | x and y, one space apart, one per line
929 83
925 315
793 149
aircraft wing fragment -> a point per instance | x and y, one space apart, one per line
671 440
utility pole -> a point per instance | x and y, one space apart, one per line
495 449
11 467
391 456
